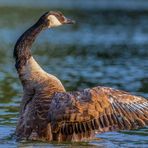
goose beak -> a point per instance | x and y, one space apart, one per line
69 21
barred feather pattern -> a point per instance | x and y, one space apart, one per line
78 116
48 112
33 120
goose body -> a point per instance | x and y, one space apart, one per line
48 112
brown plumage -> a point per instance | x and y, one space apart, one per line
79 115
48 112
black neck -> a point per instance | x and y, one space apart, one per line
23 45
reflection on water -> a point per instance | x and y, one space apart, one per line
106 47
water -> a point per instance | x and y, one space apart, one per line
108 46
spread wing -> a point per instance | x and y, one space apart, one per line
79 115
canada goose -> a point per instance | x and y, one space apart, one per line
49 113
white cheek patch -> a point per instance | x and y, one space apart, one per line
53 21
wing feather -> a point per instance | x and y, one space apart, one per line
79 115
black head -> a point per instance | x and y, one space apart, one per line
54 19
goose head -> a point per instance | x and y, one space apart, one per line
54 19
